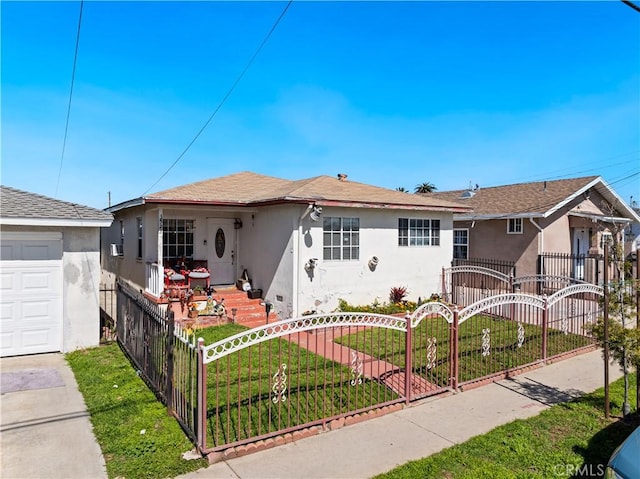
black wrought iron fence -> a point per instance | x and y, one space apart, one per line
162 354
108 314
583 267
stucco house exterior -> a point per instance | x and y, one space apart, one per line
49 273
305 244
521 222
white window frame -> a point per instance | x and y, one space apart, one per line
340 238
418 232
177 248
515 226
465 244
139 227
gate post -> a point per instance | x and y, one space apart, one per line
453 350
169 357
545 327
201 408
408 369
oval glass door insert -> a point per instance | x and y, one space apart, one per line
220 243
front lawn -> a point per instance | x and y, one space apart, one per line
505 351
241 403
568 440
137 437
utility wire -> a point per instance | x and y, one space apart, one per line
226 96
73 76
632 5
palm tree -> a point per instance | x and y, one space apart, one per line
425 187
402 188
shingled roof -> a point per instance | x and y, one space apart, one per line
21 207
252 189
535 199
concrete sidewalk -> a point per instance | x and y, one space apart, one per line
44 424
368 448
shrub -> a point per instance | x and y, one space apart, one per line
397 294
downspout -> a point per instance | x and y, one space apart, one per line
296 262
541 241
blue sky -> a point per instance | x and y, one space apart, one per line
392 93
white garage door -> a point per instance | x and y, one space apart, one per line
30 294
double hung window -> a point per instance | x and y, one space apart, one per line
340 239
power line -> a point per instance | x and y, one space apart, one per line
631 4
73 76
226 96
570 172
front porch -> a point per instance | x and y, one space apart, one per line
230 305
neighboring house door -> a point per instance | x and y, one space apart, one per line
580 250
221 251
31 294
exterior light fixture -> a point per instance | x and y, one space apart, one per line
316 212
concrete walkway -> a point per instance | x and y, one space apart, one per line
45 431
368 448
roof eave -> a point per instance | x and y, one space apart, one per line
594 217
60 222
492 216
126 204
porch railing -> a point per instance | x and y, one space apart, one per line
154 279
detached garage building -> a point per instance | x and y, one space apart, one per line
49 273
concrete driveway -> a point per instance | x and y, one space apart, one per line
44 425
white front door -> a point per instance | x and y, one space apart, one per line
30 296
580 250
221 251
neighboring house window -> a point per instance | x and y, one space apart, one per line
177 238
606 238
121 237
341 238
139 223
461 244
418 232
514 226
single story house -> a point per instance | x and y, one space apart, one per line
305 244
49 273
523 222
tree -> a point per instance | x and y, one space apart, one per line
402 188
425 187
623 340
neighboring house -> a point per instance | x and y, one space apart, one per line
305 243
50 272
520 222
632 238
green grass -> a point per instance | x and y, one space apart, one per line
317 388
121 407
505 353
558 443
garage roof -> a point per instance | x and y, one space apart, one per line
19 207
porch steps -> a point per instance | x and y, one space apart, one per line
249 312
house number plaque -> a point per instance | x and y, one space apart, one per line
220 242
